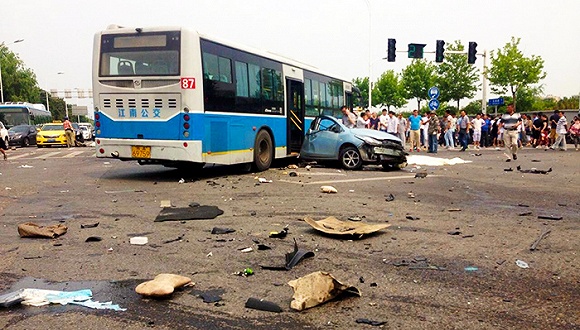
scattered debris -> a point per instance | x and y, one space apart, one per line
219 231
25 166
355 218
94 239
264 247
421 175
264 180
333 226
292 166
434 161
179 238
522 264
138 240
390 198
162 285
410 194
209 296
508 169
328 189
292 258
523 214
317 288
454 232
550 217
371 322
263 305
543 235
201 212
534 170
417 263
467 236
470 269
411 217
38 297
454 210
181 181
165 203
245 273
536 160
279 234
89 225
246 250
523 205
293 174
30 229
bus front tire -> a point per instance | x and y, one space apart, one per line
263 151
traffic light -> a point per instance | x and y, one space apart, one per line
439 52
472 52
391 50
416 50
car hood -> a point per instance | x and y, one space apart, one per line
43 133
373 133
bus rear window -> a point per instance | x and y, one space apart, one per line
140 55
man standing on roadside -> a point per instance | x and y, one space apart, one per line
463 125
383 121
433 131
402 128
511 122
68 132
485 131
553 124
561 130
348 118
393 124
415 135
477 123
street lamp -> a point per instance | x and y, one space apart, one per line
64 99
1 86
370 64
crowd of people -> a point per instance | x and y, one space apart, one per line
510 130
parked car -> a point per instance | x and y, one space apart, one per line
329 140
22 135
3 133
86 132
50 135
79 138
90 128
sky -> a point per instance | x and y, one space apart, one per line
339 37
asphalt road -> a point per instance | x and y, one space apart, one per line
413 275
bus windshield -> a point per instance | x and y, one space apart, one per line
140 54
13 116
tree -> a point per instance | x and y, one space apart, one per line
417 78
389 91
18 82
363 86
456 79
510 70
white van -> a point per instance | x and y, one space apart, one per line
89 133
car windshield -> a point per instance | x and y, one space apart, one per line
75 126
18 129
84 128
52 127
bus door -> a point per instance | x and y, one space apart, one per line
295 113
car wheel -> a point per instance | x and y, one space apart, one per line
350 158
25 142
263 151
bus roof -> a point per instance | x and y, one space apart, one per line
37 106
115 29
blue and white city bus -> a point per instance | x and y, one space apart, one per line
23 113
174 97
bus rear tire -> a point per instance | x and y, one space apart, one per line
263 151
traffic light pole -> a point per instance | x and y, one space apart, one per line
484 84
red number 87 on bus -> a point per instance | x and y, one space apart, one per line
187 83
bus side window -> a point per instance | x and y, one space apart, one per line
142 68
125 68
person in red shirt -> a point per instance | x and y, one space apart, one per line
69 132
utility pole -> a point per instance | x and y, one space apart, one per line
484 85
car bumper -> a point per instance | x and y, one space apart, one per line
42 141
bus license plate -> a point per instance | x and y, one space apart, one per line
140 152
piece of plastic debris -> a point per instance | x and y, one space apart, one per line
421 175
139 240
522 264
293 174
292 258
219 231
30 229
25 166
209 254
390 198
454 232
454 210
370 322
317 288
245 273
534 170
550 217
201 212
89 225
471 269
181 181
410 195
246 250
333 226
263 305
411 217
162 285
93 239
292 166
523 214
279 234
264 247
39 297
328 189
177 239
165 203
264 180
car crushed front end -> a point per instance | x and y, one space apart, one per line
380 148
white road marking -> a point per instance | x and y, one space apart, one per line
356 180
72 154
50 154
11 157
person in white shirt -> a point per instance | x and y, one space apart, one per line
561 130
424 130
383 121
402 128
393 124
348 118
477 123
363 120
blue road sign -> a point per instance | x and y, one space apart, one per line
434 104
498 101
433 92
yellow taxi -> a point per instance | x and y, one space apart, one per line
51 134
